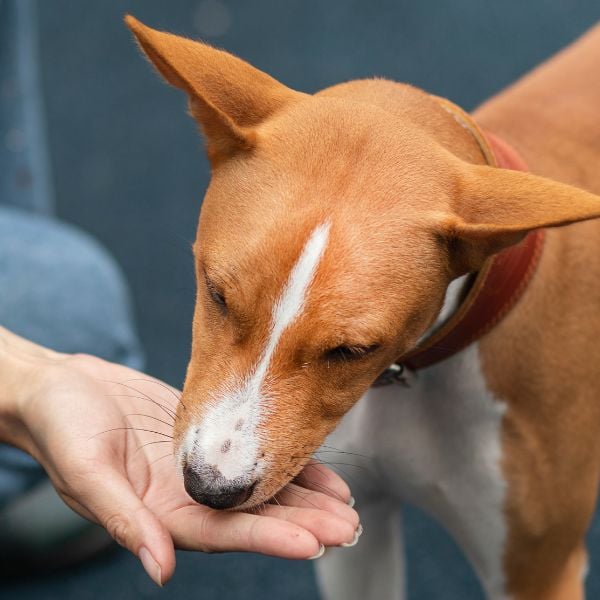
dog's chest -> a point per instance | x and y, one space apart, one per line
437 445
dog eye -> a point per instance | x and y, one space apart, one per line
346 353
217 297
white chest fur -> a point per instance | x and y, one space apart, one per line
438 446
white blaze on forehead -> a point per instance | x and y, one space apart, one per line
227 436
292 299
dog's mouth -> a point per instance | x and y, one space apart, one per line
207 486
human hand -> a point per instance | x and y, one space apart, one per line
103 434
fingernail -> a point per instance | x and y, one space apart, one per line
354 541
351 502
318 554
150 565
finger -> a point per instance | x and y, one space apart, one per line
317 476
109 497
329 529
200 528
295 496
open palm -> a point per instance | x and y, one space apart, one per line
103 434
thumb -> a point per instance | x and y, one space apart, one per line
112 501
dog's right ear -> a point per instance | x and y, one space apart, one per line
228 96
493 208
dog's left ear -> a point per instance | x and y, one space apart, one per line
228 96
493 208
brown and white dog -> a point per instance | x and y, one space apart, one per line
337 233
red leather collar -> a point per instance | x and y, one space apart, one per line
496 289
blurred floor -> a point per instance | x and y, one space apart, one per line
128 166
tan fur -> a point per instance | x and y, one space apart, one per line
411 205
543 359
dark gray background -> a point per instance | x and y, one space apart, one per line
128 166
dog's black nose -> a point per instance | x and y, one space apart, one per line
219 495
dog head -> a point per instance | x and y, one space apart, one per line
331 228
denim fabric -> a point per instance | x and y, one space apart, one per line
24 164
58 287
61 289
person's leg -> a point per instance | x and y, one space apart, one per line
62 290
59 288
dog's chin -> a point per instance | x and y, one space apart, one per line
266 491
259 497
276 477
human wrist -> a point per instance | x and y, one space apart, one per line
21 363
10 373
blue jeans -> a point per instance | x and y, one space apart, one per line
58 286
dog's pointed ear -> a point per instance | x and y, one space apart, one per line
493 208
227 96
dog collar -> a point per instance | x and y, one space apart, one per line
497 286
